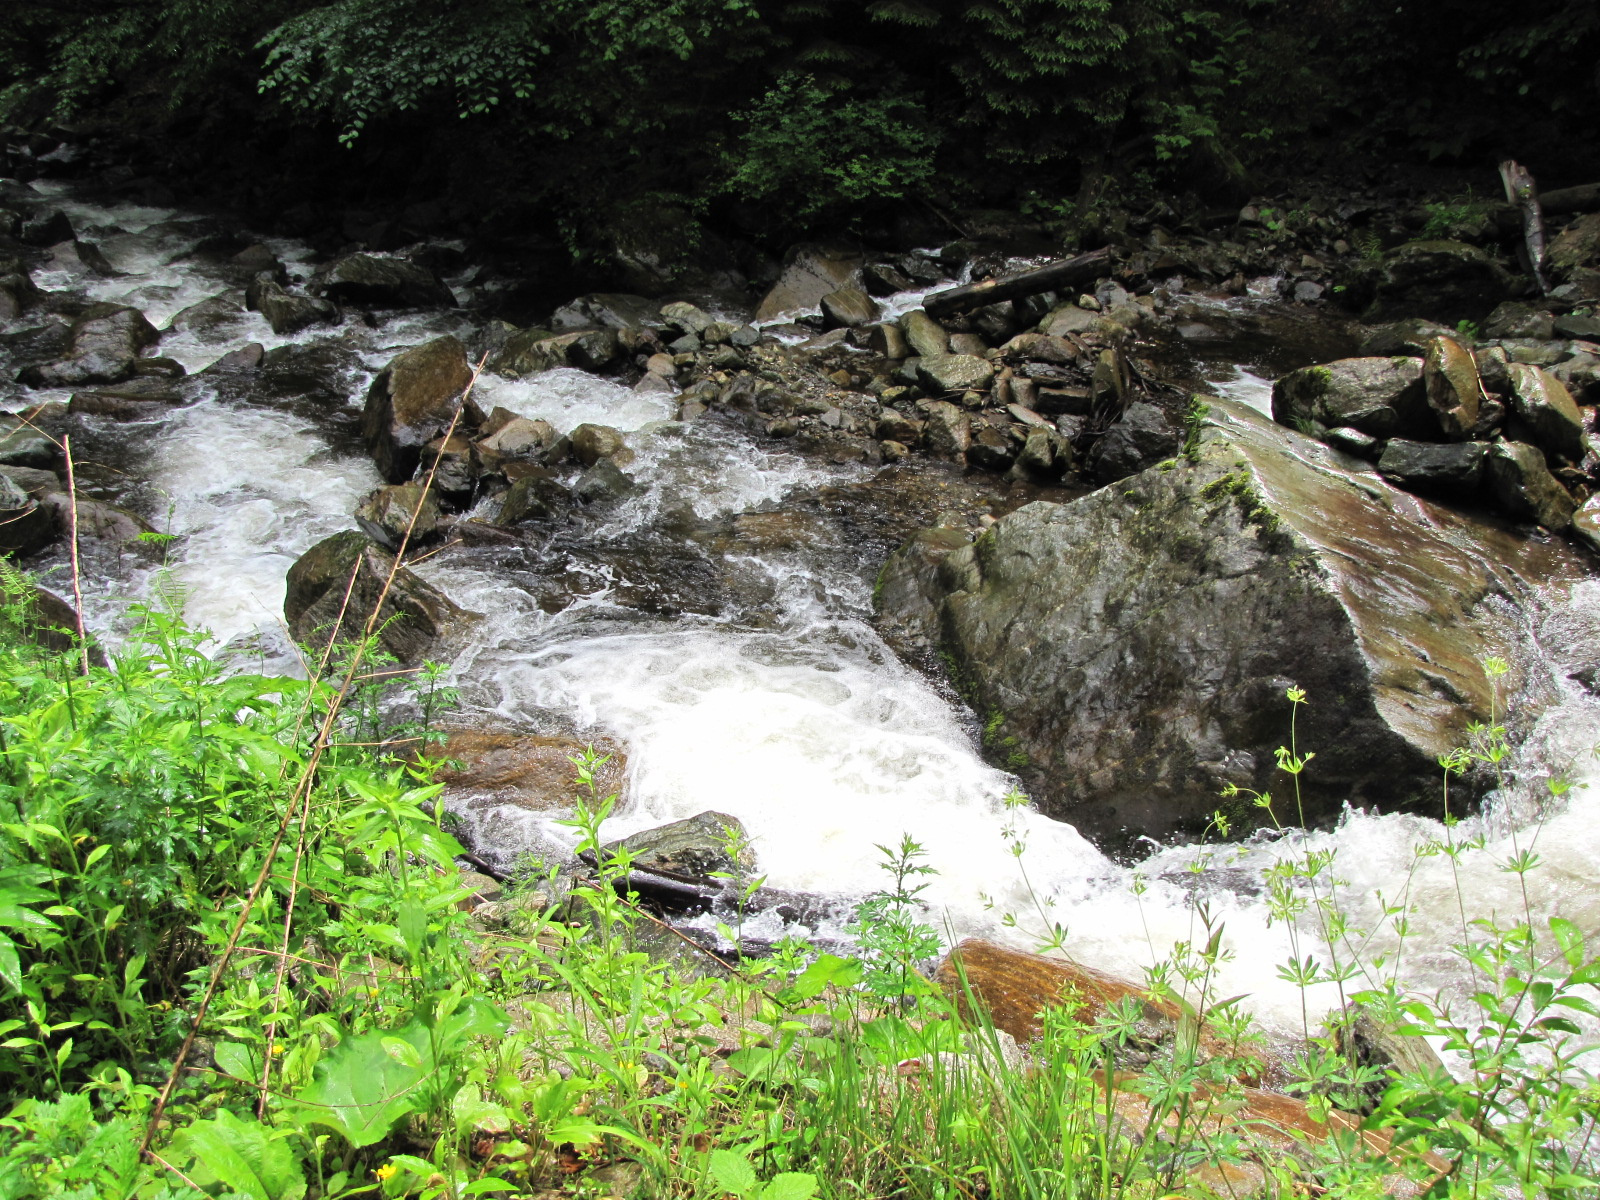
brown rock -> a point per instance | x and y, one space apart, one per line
1454 390
411 403
525 770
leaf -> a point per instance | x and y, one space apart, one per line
733 1172
403 1052
244 1156
828 971
238 1060
790 1185
1570 938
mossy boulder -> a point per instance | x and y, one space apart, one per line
1130 651
1442 281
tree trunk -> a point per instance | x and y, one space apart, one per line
1067 272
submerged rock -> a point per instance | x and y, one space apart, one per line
1129 652
413 616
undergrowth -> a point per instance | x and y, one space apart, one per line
361 1033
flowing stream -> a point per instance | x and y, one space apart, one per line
735 660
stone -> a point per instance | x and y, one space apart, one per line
1451 469
1140 438
246 358
1514 319
212 317
1442 281
106 339
538 496
967 343
1547 408
524 770
26 525
287 314
135 400
1130 650
1040 347
520 437
1522 483
411 402
1576 249
602 482
591 443
1408 337
1380 396
947 431
888 340
85 256
1381 1047
1354 442
46 228
259 258
686 318
452 464
1045 455
607 310
944 373
23 445
848 308
1069 318
895 426
116 529
694 847
33 480
810 271
1450 381
885 279
414 614
991 450
387 514
926 337
18 292
51 622
375 282
531 351
1573 325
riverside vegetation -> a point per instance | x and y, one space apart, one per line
234 962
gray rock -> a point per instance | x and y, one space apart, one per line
686 318
695 847
520 437
530 351
967 343
22 445
412 401
1451 469
46 228
607 310
1547 408
744 336
991 450
603 482
926 337
1513 319
1521 481
1409 337
454 468
1442 281
1128 653
413 616
591 443
387 514
539 496
1586 523
287 314
1069 318
135 400
1380 396
1142 437
848 308
885 279
371 281
213 316
946 430
954 373
246 358
809 273
888 340
106 341
18 292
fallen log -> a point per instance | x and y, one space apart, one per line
1063 273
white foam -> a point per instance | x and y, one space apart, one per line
567 398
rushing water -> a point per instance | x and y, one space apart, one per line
751 682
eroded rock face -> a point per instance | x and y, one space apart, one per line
1130 651
413 616
411 403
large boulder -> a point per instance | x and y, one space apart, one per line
367 279
534 350
1442 281
411 402
926 337
809 273
1447 469
1380 396
106 342
848 308
1129 652
399 512
1543 403
1450 381
1521 481
414 613
947 373
527 771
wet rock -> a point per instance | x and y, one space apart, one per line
537 496
1041 347
246 358
257 259
967 343
413 616
591 443
453 466
1450 381
18 293
105 341
26 525
1586 523
519 437
1069 318
1446 282
36 481
695 847
389 512
607 310
1522 483
1141 438
1380 396
1513 319
946 430
926 337
80 256
49 621
1546 407
1451 469
686 318
1045 455
603 482
136 400
533 350
943 373
287 314
809 273
848 308
370 281
1409 337
24 445
1380 1047
885 279
411 402
46 228
888 340
991 450
895 426
1130 650
102 527
1354 442
523 770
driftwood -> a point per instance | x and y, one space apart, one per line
1524 193
1063 273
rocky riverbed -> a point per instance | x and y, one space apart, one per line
813 559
